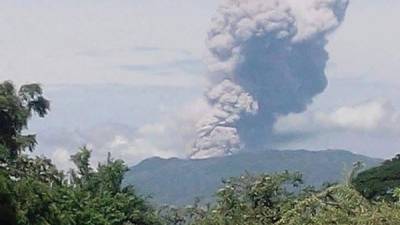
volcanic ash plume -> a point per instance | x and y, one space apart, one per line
267 58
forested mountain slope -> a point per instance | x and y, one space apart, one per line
179 181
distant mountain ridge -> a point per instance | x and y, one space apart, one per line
179 181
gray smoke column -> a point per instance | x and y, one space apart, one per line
267 58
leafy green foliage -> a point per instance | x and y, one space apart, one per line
172 215
34 192
247 199
97 197
16 108
379 182
42 195
7 202
340 205
265 200
396 194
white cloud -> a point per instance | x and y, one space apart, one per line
364 117
61 158
172 136
371 128
132 148
375 116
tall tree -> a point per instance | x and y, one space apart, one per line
16 108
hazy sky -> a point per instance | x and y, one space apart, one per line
120 73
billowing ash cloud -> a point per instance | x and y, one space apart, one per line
217 134
267 58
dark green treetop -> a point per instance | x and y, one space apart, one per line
16 108
380 182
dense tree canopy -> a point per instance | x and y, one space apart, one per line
266 200
380 182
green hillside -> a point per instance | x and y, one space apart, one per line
179 181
